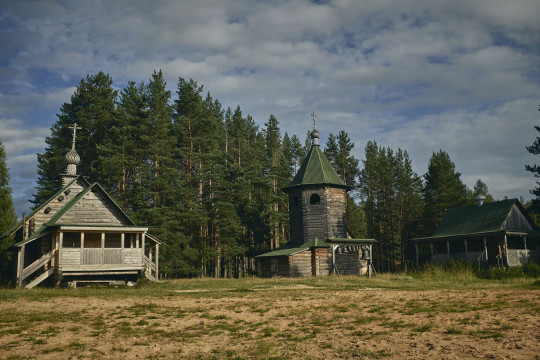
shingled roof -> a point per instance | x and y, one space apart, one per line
316 170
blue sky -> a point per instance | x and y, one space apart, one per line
461 76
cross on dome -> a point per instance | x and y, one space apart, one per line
75 128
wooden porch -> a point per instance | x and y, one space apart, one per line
88 252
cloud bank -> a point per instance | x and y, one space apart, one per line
460 76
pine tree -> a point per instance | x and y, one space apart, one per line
391 194
535 170
356 219
408 201
482 188
443 189
7 219
92 106
338 151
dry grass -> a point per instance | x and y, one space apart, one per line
329 317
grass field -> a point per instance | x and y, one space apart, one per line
434 314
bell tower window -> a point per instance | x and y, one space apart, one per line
314 199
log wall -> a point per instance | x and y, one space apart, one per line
300 264
267 269
324 220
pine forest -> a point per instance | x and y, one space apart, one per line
207 180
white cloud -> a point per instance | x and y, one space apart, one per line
458 75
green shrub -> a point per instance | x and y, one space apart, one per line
531 269
494 273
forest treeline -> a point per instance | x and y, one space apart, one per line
207 180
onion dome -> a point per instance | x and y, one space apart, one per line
315 137
72 157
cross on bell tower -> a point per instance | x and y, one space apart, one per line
315 132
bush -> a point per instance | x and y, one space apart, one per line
531 269
493 273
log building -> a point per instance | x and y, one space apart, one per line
320 243
81 234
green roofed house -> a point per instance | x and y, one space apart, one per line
496 234
81 234
320 243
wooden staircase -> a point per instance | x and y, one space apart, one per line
149 268
44 264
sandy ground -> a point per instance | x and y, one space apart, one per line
296 323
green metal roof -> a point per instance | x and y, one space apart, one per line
289 249
316 170
488 218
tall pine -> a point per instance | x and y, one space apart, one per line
92 106
443 189
7 219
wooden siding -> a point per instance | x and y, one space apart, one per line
92 208
519 257
516 220
349 263
55 204
77 256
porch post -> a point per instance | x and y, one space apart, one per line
448 249
103 240
53 248
506 249
370 262
60 247
431 249
157 262
416 249
82 240
20 265
122 238
142 241
525 242
334 259
485 248
466 250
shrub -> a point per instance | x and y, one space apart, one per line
531 269
493 273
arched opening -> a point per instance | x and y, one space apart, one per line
314 199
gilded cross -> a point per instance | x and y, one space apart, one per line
75 128
314 120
